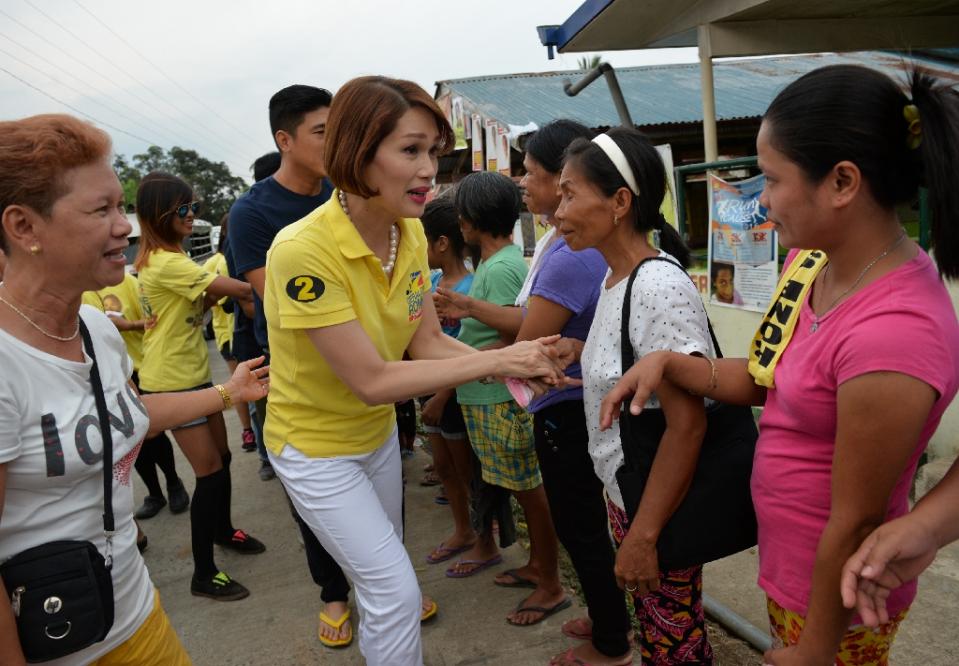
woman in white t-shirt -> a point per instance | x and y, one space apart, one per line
64 232
612 188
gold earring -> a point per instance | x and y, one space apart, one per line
35 249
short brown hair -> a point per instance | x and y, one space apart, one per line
37 152
364 111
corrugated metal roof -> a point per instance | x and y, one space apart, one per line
661 94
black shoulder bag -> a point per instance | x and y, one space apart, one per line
62 591
716 517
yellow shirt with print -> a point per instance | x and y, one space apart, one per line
174 351
320 272
222 320
125 299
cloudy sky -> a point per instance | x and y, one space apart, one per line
199 73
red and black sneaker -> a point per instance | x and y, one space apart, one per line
249 440
243 543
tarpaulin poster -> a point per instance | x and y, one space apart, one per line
458 121
477 141
492 146
743 265
503 155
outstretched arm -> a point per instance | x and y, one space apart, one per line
443 362
731 384
249 383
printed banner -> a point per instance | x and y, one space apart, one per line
743 261
458 121
492 146
477 140
502 153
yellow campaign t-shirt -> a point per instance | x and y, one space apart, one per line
174 352
320 272
222 320
125 299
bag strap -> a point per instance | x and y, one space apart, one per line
105 432
627 353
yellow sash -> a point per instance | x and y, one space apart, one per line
776 329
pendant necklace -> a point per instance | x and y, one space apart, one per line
862 274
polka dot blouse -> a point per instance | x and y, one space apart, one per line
666 314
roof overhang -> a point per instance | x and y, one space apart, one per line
722 28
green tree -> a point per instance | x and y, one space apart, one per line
589 62
212 182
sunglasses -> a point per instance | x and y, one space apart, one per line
184 209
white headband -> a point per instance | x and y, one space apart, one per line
618 158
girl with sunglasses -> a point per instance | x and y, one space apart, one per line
177 291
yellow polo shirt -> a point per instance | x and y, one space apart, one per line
222 320
174 351
125 299
320 272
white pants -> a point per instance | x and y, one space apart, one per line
353 504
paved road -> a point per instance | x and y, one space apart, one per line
277 623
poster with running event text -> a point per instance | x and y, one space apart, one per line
743 247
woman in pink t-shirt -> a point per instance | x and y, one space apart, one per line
858 356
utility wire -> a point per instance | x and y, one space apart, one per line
95 71
75 109
83 94
183 89
110 61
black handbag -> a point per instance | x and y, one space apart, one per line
716 517
62 591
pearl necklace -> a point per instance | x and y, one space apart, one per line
394 237
37 326
862 274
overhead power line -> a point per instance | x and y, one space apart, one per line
164 74
75 109
102 76
131 76
81 92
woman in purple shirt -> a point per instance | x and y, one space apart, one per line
562 300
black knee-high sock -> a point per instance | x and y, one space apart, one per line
203 512
145 465
224 524
163 454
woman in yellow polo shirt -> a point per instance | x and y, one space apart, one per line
175 358
347 292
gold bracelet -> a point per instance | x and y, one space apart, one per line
227 400
713 379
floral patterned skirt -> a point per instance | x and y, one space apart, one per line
861 645
673 626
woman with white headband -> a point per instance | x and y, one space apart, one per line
612 188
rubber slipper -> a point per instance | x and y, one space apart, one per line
480 565
429 612
568 628
517 580
441 499
335 624
543 610
569 659
446 553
